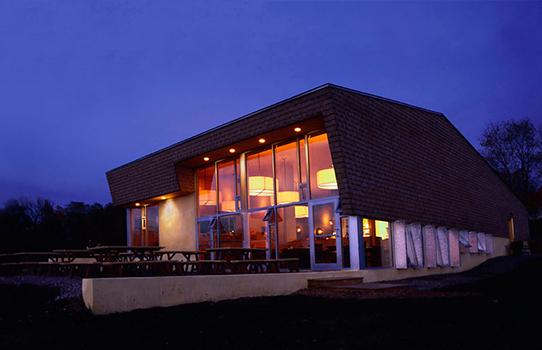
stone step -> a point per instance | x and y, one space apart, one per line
333 282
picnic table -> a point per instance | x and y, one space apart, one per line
188 255
116 253
235 253
69 255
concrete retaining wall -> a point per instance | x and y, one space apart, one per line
110 295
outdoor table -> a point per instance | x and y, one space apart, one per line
188 255
234 253
69 255
112 253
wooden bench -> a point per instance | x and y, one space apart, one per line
265 265
137 268
212 267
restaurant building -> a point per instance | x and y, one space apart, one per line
335 177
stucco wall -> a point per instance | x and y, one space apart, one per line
177 223
110 295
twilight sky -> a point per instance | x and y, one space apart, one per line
86 86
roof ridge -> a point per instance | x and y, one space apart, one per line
276 104
377 97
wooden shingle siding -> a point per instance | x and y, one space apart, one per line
399 162
155 174
392 161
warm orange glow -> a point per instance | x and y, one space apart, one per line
261 186
330 222
319 231
207 197
137 204
298 229
206 159
228 206
298 129
366 228
262 140
301 211
326 180
163 197
284 197
232 150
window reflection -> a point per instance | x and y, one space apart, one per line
322 174
287 173
293 234
206 191
227 183
376 235
258 237
325 246
284 179
260 180
230 231
204 235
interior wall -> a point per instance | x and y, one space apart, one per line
177 223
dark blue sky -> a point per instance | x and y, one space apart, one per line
86 86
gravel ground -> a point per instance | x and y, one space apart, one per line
67 288
490 307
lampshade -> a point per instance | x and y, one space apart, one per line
261 186
284 197
326 180
301 211
207 197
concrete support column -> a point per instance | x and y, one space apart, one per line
357 246
128 227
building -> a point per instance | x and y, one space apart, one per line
335 177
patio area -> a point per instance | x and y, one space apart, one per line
487 307
142 261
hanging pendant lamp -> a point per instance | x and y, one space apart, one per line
260 186
326 180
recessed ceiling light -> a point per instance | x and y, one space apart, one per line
232 150
137 204
298 129
163 197
206 159
262 140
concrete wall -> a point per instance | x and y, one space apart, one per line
177 223
110 295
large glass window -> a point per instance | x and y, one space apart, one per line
322 174
325 233
257 229
293 233
206 191
287 170
204 235
227 186
260 180
271 182
376 235
230 231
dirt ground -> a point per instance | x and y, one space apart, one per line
494 306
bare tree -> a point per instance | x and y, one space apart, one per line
514 150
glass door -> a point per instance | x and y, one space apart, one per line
325 238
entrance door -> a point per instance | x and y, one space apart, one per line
325 238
